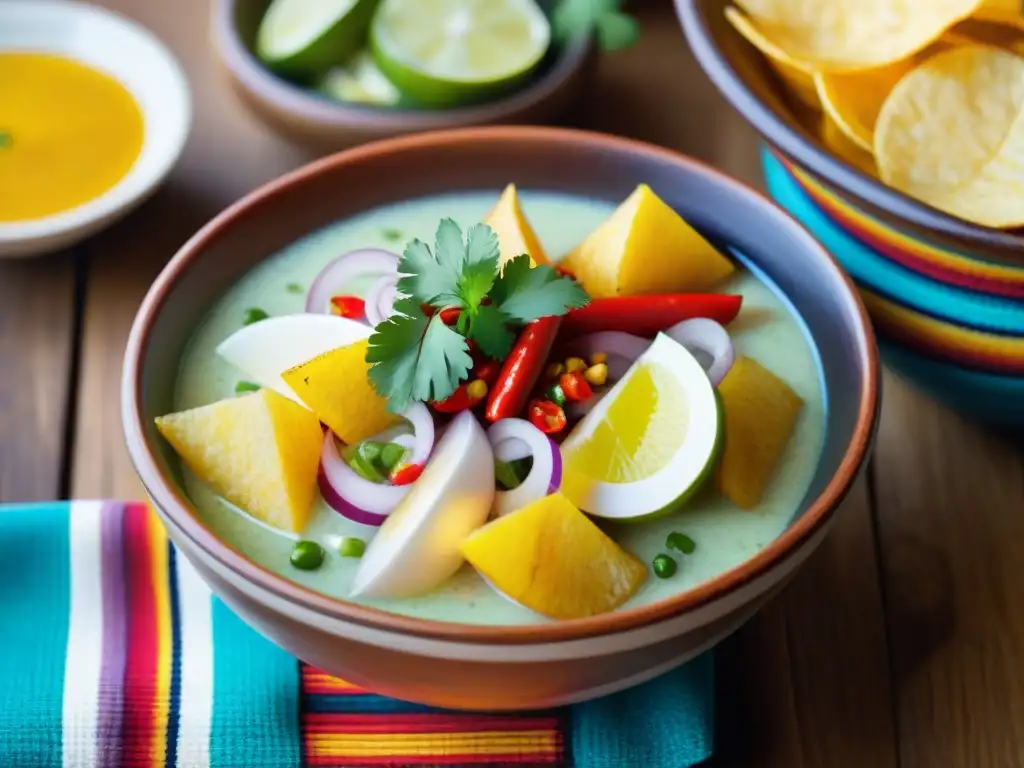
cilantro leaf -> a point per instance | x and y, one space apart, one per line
489 329
482 245
613 28
415 358
424 278
449 249
475 282
525 294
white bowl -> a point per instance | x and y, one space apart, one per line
132 55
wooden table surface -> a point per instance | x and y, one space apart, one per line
898 644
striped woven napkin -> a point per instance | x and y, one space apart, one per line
114 653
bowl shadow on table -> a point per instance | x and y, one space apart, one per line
324 125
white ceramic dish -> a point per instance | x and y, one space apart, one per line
148 70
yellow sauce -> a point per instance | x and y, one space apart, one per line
68 133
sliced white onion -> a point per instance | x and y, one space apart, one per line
380 299
359 499
709 342
511 449
336 275
546 473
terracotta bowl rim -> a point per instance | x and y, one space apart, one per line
173 503
292 100
828 168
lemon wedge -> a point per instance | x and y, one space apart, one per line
649 443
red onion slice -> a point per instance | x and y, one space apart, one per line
337 274
352 495
708 339
546 473
380 299
359 499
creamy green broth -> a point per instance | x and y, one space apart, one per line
725 535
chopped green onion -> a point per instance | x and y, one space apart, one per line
351 546
390 455
664 566
680 542
254 315
556 394
510 474
294 288
307 555
246 386
363 458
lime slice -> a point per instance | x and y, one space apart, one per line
360 81
307 37
444 53
648 444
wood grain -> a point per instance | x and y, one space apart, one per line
951 497
806 682
37 326
228 155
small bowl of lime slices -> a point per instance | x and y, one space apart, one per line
335 72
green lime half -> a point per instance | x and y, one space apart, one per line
445 53
361 82
305 38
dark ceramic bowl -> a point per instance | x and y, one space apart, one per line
328 124
500 667
742 75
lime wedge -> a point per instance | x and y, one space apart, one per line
444 53
360 81
307 37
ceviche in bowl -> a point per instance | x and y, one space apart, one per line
497 413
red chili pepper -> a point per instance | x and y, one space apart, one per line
522 368
427 310
488 370
646 315
459 400
348 306
450 315
575 387
546 416
410 473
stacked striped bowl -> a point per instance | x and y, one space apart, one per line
946 296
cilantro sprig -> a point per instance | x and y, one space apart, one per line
414 355
613 28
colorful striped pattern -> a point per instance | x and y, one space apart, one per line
114 654
344 725
943 265
963 346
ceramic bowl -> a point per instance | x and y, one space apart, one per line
500 667
909 231
975 368
148 70
325 123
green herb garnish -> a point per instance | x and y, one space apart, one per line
680 542
614 29
254 315
391 235
510 474
294 288
664 566
246 386
415 356
351 546
5 139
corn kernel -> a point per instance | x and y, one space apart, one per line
477 389
555 370
596 375
598 357
574 364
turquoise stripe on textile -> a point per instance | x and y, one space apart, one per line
666 722
255 698
34 607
